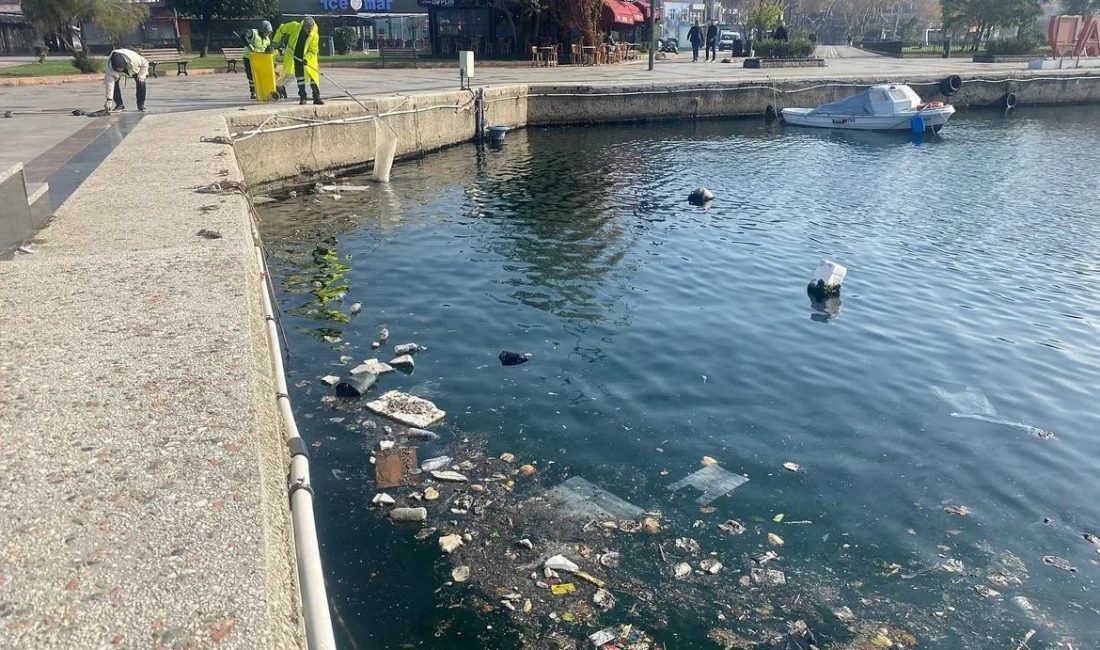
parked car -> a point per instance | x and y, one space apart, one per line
730 40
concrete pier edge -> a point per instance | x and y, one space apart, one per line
148 456
340 136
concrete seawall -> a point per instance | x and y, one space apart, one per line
342 136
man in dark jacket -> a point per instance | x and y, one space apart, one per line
781 32
695 37
712 42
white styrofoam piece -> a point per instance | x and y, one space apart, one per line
830 272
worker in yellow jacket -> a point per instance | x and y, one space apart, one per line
302 45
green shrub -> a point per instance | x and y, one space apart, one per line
40 52
796 48
87 63
344 39
1018 45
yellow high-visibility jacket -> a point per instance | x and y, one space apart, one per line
291 32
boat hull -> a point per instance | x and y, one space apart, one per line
934 119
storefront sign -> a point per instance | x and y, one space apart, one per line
345 7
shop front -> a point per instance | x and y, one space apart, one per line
379 23
457 25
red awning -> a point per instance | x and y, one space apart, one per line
644 8
616 12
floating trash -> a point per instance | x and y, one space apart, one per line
404 362
581 499
961 511
373 366
407 409
393 466
514 358
768 577
409 514
700 196
1059 563
355 386
560 563
733 527
563 589
711 566
449 543
971 403
712 481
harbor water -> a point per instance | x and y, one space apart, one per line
943 412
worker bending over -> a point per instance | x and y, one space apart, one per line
124 63
303 42
255 40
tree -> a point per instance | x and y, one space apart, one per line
207 11
983 16
524 9
116 18
765 16
1081 7
582 14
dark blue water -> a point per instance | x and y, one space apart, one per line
662 333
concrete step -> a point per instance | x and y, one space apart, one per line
38 198
16 225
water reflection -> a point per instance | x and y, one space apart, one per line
824 308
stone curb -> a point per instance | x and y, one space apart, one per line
76 78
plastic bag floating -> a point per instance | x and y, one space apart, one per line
583 500
712 481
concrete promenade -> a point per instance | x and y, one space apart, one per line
145 502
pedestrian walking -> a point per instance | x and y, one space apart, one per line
711 53
301 49
124 63
255 40
695 37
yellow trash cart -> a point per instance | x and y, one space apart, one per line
263 75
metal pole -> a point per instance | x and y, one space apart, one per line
651 23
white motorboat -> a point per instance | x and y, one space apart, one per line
886 107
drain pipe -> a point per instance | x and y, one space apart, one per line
311 577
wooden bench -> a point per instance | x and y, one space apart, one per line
157 56
398 54
232 55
